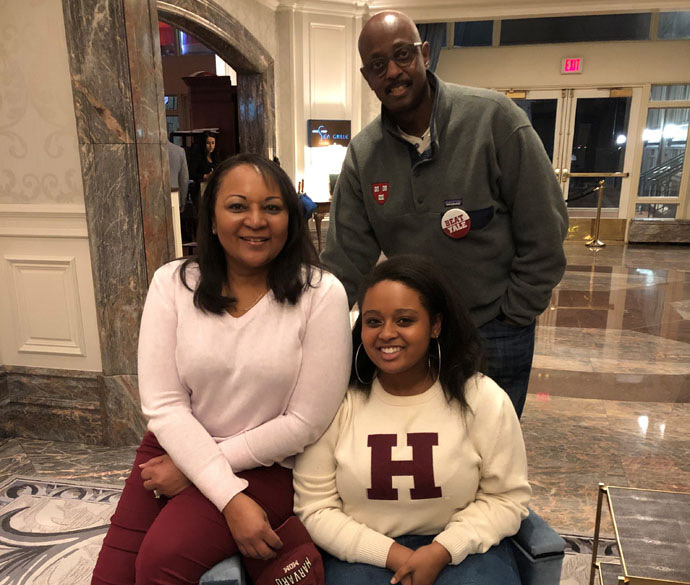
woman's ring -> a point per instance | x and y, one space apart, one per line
156 494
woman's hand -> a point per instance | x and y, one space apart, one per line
423 565
249 526
397 557
161 474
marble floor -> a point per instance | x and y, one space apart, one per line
609 396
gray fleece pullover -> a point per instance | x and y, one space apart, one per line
486 159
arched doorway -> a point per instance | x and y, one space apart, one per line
230 40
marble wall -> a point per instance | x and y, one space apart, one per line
118 98
105 120
676 231
58 405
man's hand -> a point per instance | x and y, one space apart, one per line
423 565
160 473
249 526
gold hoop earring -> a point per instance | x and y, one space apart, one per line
357 368
438 353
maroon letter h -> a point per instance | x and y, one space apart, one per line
421 466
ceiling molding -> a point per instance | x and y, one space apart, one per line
332 7
449 10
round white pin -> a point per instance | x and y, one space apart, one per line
456 223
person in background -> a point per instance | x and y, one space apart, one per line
179 182
202 160
179 173
244 356
423 472
459 174
206 158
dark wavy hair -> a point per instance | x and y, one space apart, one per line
202 146
291 271
461 346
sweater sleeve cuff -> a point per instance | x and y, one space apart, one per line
223 489
457 545
373 548
238 454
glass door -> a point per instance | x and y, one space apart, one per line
585 131
544 108
597 142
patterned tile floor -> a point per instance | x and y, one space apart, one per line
609 395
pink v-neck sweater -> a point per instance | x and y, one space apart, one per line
223 394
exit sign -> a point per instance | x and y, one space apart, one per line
572 65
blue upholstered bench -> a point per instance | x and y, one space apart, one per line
538 552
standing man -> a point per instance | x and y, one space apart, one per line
179 173
458 174
179 182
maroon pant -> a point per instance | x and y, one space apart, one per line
174 541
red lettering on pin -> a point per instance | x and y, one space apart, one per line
456 223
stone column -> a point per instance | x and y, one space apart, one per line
126 182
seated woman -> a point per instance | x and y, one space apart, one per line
244 354
422 473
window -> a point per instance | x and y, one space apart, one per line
664 139
473 34
170 102
434 33
666 93
573 29
674 25
191 45
172 123
656 210
663 189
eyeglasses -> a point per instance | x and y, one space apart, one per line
402 56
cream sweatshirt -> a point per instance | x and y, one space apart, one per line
391 465
223 394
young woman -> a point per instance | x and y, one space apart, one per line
207 158
422 473
244 356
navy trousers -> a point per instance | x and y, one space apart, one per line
509 351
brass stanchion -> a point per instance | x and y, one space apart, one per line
597 526
595 242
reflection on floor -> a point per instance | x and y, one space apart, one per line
610 389
609 396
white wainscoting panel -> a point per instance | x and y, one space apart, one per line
48 309
45 306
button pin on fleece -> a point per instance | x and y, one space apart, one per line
456 223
